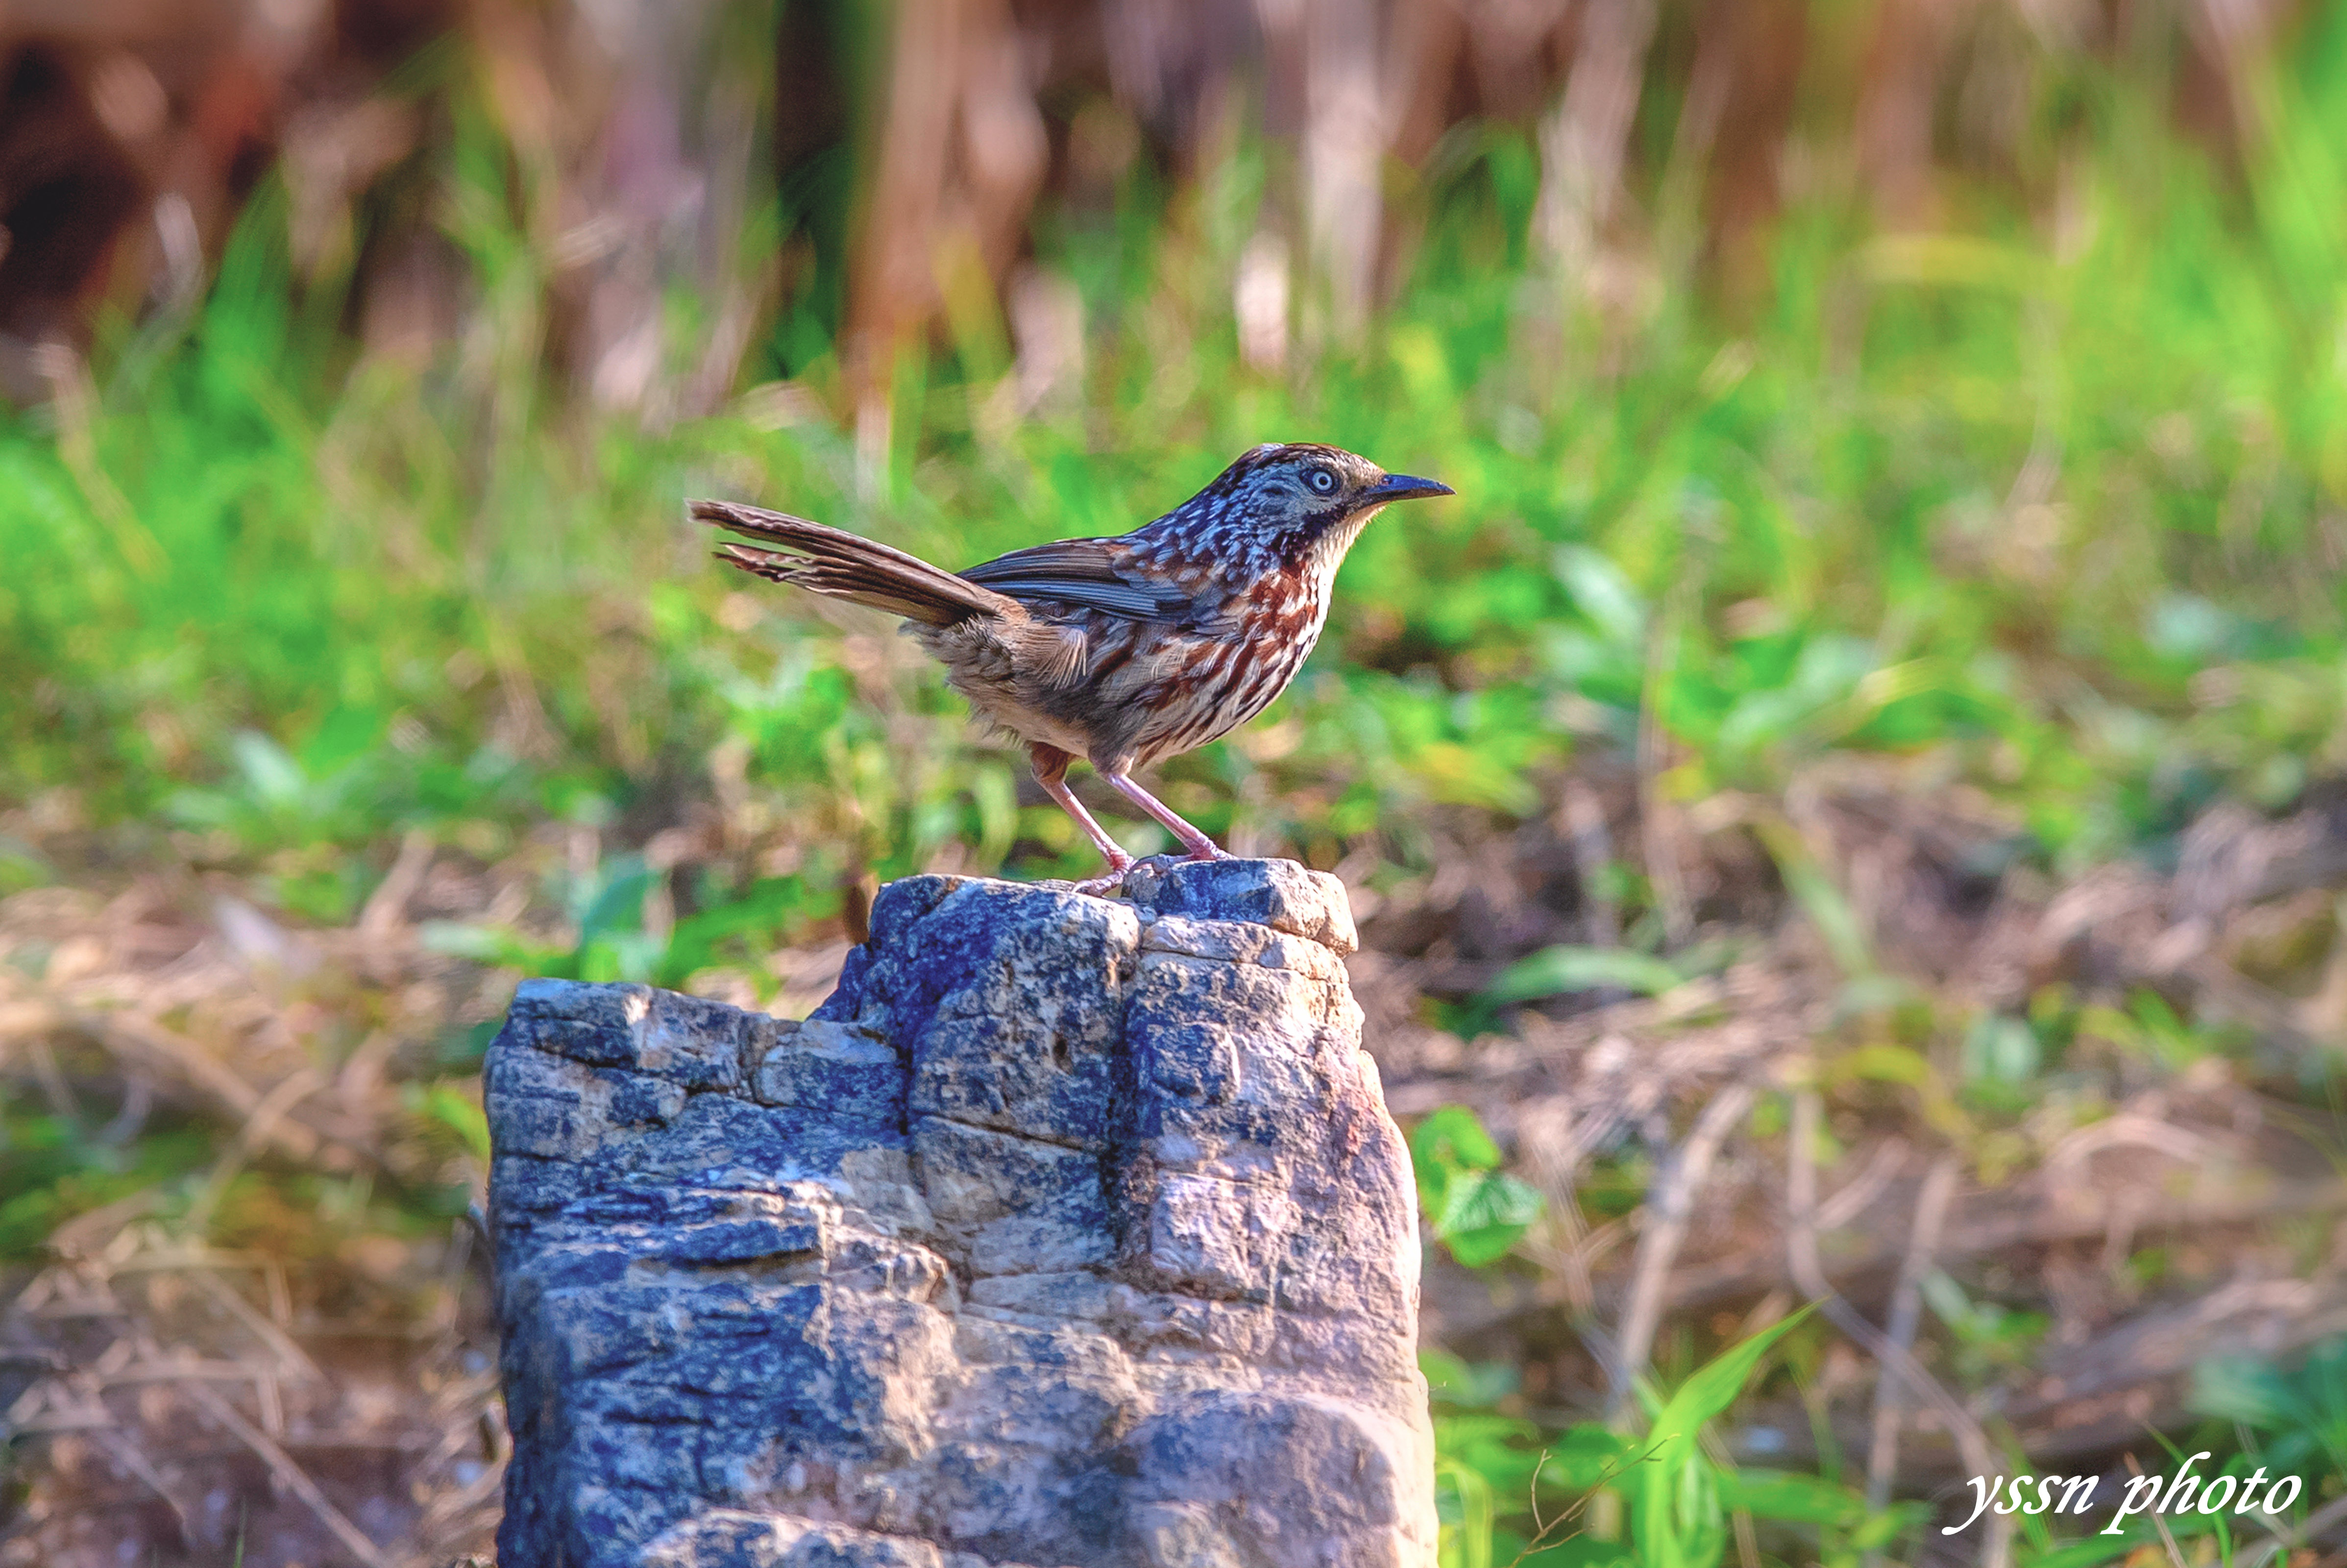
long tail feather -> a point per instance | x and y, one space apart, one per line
848 566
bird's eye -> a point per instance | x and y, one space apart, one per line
1323 481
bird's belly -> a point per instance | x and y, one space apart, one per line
1030 724
1128 692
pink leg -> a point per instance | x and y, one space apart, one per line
1051 772
1200 846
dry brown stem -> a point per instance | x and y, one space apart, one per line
291 1476
1906 1304
1669 1207
1808 1273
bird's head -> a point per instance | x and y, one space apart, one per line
1280 509
1307 488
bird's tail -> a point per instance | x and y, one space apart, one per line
846 565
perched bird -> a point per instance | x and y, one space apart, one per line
1119 650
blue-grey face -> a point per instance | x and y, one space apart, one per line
1315 486
1277 510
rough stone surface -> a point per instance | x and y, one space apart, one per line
1069 1232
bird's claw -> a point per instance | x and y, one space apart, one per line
1111 882
1108 883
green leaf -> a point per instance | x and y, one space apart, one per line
1484 1214
1601 593
1450 1141
1561 970
1463 1501
1713 1387
1790 1495
758 921
2002 1050
494 946
2100 1548
1837 924
22 866
1473 1208
619 902
1587 1455
276 778
1677 1501
458 1113
342 737
2095 1549
1455 1137
1471 1386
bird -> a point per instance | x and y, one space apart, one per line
1122 650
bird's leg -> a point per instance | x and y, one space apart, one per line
1200 846
1051 772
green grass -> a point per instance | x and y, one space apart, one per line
2054 506
446 601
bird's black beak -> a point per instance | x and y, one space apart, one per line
1404 487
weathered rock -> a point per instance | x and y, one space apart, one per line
1069 1232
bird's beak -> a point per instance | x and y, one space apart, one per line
1404 487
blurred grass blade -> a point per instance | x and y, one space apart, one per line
1467 1538
1565 969
1673 1480
461 1116
1837 923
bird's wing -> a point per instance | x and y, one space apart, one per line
1090 572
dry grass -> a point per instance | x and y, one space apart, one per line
2212 1164
262 1357
262 1351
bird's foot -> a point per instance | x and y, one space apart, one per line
1108 883
1111 882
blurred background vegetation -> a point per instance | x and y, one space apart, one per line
1846 807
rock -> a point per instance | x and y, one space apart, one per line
1069 1232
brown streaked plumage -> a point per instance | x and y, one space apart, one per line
1119 650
